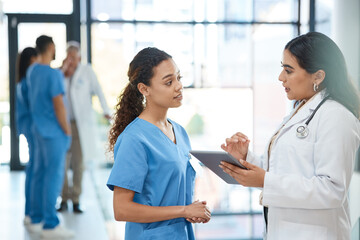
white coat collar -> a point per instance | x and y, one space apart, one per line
306 110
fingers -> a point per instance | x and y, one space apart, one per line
247 164
241 135
197 220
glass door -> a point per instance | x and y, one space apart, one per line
27 34
23 29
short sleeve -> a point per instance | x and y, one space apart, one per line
130 164
57 83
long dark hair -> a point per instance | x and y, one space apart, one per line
315 51
130 101
24 61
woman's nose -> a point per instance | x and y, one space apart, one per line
281 76
179 86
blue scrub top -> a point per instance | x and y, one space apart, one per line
159 172
44 84
22 114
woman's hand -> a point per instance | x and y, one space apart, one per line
237 145
253 177
197 212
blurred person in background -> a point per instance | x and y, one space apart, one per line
152 177
80 84
52 135
307 167
23 119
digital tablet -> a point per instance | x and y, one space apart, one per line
212 159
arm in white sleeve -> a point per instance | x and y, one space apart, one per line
96 89
256 160
336 143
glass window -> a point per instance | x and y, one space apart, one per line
150 10
275 10
4 95
27 34
38 6
323 16
270 102
164 10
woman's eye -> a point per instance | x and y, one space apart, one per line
168 83
179 78
287 71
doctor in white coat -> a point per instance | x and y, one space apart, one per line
307 167
81 84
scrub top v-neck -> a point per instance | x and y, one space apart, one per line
159 172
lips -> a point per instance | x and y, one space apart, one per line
179 97
287 89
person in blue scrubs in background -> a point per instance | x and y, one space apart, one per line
152 177
23 118
52 133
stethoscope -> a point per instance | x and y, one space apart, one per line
303 130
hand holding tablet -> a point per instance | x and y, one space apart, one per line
212 159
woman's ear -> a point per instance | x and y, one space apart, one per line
143 89
319 77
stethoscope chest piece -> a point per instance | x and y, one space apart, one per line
302 132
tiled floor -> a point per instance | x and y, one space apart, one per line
95 223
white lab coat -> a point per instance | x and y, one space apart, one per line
83 86
306 188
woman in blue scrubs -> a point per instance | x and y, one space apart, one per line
152 178
23 118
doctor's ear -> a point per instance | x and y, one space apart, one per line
319 76
143 89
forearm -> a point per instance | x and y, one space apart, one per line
135 212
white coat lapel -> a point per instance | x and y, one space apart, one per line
304 113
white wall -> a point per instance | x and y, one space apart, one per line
346 33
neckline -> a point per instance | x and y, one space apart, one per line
158 129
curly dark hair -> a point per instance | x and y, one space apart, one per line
130 101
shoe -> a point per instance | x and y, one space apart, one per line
63 207
57 232
77 208
27 220
34 227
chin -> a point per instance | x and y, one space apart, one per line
176 105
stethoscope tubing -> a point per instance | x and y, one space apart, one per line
303 131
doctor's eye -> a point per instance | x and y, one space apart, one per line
179 78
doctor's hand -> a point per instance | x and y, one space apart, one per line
197 212
237 145
253 177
